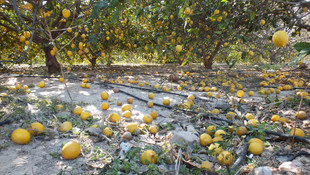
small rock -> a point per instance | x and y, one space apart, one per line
142 169
127 136
262 171
162 169
294 167
183 137
93 131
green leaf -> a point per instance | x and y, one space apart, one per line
218 32
252 15
224 1
302 46
117 12
99 5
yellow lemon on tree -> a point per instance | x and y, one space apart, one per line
148 157
107 131
36 128
114 117
280 38
65 126
21 136
187 10
66 13
262 22
71 150
205 139
104 95
178 48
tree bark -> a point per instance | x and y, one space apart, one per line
208 62
51 62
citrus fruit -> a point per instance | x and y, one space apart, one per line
218 139
219 133
150 104
85 115
166 101
301 115
230 115
153 129
275 118
225 158
191 97
104 95
65 13
205 139
252 140
107 131
41 84
126 107
147 119
240 93
250 93
36 128
215 148
207 165
151 95
298 132
71 150
65 126
154 114
211 130
256 148
126 114
104 106
131 127
280 38
21 136
77 110
114 117
148 157
241 130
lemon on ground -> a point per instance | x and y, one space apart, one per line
275 118
252 140
250 93
107 131
41 84
283 119
215 111
114 117
59 107
215 148
209 94
36 128
77 110
249 116
85 115
166 101
191 97
87 85
126 107
219 133
256 148
262 22
218 139
147 119
225 158
241 130
104 106
104 95
151 95
71 150
230 115
83 85
240 93
153 129
207 165
126 114
148 157
253 122
280 38
301 115
61 79
65 126
298 132
205 139
131 127
211 129
130 100
18 86
21 136
150 104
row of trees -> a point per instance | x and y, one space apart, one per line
92 30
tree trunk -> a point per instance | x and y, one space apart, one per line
51 62
93 62
273 59
207 62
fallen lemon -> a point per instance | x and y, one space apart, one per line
36 128
21 136
148 157
71 150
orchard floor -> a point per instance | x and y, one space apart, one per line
179 130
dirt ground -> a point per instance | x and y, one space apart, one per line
43 153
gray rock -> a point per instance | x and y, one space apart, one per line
93 131
183 137
262 171
301 165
